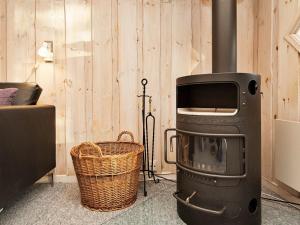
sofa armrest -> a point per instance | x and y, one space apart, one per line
27 147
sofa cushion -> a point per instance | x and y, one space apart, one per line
7 95
27 94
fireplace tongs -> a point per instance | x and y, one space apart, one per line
202 209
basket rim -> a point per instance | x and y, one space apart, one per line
117 142
136 152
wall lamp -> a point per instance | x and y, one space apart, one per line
46 51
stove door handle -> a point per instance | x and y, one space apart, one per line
205 210
166 145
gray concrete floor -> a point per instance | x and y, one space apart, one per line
43 205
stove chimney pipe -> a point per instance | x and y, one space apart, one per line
224 40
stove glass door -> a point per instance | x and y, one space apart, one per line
215 155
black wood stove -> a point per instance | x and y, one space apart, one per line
218 136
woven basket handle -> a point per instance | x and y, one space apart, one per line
85 145
125 133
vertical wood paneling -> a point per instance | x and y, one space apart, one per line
264 68
102 49
79 73
127 58
288 64
274 60
286 98
290 86
60 84
50 26
140 62
181 57
166 71
151 62
246 18
20 40
44 29
3 40
196 37
102 70
206 36
181 40
115 69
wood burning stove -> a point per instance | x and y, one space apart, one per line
218 136
218 149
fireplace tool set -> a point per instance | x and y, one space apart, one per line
148 122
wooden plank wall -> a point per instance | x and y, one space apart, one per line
288 63
279 64
288 84
102 49
264 66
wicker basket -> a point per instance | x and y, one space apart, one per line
108 173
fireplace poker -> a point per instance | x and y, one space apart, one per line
150 117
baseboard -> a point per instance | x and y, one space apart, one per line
282 192
169 176
73 179
59 179
65 179
270 181
288 189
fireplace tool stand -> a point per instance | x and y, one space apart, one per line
148 167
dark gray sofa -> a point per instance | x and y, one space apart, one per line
27 142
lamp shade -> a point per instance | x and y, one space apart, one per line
46 52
